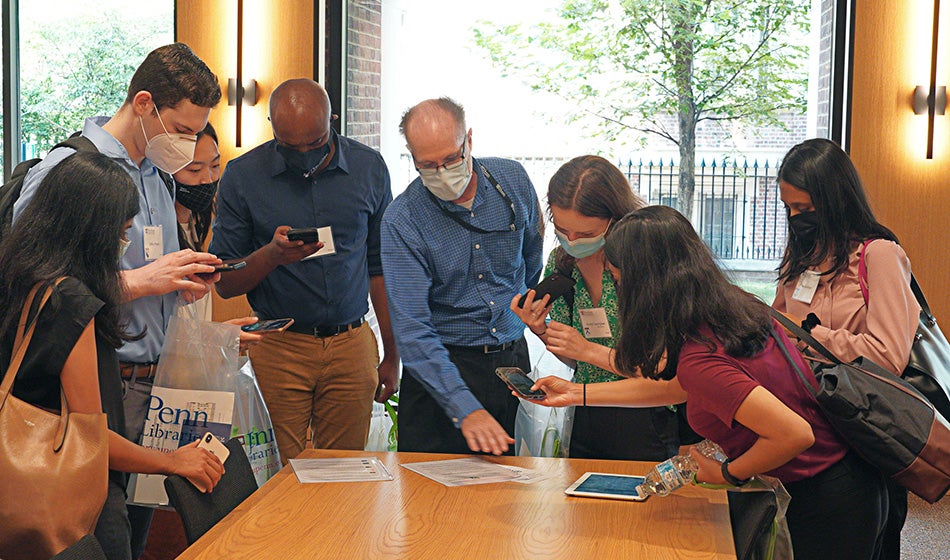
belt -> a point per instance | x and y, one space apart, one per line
483 349
132 370
324 331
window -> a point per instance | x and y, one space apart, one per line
76 60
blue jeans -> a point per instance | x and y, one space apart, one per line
135 398
113 530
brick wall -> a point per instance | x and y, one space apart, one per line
363 70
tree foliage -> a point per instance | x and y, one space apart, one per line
73 69
660 67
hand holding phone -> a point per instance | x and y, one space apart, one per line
555 285
307 235
268 326
214 445
519 383
230 266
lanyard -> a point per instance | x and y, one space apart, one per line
463 223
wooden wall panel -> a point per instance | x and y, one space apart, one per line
278 45
909 193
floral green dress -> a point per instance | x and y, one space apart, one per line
587 373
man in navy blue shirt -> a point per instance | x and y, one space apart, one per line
321 374
457 245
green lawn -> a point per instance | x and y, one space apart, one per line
763 290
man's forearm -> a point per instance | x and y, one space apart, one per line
239 282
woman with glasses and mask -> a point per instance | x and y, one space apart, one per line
688 334
585 196
831 229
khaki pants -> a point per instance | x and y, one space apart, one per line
323 384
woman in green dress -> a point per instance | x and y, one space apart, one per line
585 196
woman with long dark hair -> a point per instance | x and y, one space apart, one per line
688 334
831 230
585 196
74 227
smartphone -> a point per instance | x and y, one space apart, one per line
307 235
519 382
214 445
556 285
268 325
230 266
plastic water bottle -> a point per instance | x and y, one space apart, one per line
678 471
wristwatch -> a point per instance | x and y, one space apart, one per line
728 476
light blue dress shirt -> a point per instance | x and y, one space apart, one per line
148 313
448 285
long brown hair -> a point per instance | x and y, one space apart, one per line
591 186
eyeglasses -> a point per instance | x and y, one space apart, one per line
452 162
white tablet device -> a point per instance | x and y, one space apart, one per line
605 485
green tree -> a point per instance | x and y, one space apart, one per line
73 69
660 67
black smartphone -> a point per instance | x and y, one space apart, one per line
519 382
268 325
556 285
230 266
307 235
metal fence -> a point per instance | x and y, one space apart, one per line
736 206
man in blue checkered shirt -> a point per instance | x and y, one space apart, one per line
457 245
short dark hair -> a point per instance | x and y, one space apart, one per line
446 104
173 73
823 170
591 186
670 286
71 227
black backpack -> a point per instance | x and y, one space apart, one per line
10 191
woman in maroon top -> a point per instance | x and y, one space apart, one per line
688 334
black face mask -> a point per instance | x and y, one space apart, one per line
196 198
305 162
804 230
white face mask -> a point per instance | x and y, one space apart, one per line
169 152
448 182
123 247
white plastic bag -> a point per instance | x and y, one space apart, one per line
203 385
542 431
252 423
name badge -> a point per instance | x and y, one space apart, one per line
153 240
807 284
594 322
326 236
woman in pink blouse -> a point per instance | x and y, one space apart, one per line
829 221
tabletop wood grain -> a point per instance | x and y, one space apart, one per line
413 517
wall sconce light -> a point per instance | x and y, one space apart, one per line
247 93
931 100
240 91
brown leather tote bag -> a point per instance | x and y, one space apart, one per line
53 467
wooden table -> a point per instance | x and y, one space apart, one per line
413 517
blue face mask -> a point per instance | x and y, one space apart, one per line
582 247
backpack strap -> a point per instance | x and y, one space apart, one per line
914 286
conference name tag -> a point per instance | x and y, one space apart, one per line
807 285
153 244
594 322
